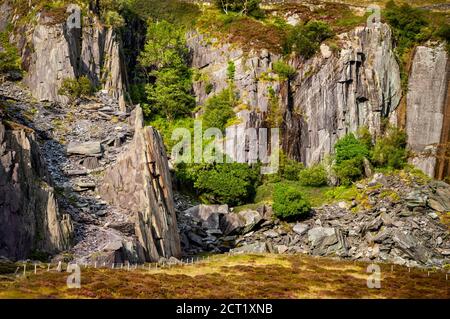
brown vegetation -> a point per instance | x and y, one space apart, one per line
243 276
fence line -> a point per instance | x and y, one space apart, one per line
155 266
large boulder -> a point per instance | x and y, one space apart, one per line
255 248
231 224
326 241
439 198
300 228
88 148
251 219
209 215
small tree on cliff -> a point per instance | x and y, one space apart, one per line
246 7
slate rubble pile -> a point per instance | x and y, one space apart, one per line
406 230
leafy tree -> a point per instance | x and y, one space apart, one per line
407 22
231 71
246 7
289 168
390 150
114 19
170 95
365 137
315 175
170 91
289 203
165 46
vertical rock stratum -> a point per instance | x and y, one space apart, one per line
426 105
30 219
140 181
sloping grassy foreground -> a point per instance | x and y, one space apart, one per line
244 276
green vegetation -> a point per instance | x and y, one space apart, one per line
315 176
350 154
174 11
77 88
219 109
283 70
390 150
305 39
289 169
289 203
413 26
388 153
227 183
244 7
9 56
169 92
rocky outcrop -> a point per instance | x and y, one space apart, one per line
30 219
51 53
140 182
334 93
331 94
426 106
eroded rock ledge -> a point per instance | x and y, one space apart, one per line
140 182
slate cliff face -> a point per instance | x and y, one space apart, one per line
51 53
428 110
140 182
30 220
335 92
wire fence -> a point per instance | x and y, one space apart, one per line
34 268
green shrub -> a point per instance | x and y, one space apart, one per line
174 11
77 88
390 150
166 128
208 88
227 183
349 170
283 70
219 109
114 19
231 71
289 168
305 39
350 154
365 136
315 175
289 203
